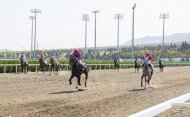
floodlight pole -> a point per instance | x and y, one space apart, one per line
35 11
163 16
32 18
95 12
118 17
85 18
132 46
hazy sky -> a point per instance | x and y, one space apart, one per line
60 23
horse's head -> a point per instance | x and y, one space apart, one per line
72 60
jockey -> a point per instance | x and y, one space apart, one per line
76 53
23 58
54 60
146 59
43 58
136 62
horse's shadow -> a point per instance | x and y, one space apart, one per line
141 89
62 92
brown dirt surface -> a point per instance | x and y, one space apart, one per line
109 93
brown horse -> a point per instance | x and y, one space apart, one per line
161 66
137 66
24 66
54 66
116 64
43 66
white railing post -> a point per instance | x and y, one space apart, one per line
16 69
36 68
155 110
4 69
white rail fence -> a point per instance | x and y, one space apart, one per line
66 67
155 110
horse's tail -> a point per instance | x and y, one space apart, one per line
88 69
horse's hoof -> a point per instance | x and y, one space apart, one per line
70 83
79 83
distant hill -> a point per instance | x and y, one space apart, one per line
149 40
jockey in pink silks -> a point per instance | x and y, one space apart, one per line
76 53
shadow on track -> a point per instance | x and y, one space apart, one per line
142 89
61 92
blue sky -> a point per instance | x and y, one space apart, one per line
60 25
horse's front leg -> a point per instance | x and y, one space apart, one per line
86 79
145 80
27 68
142 81
50 71
78 80
70 82
38 69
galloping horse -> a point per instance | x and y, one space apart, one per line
116 64
161 66
137 66
54 66
76 71
147 72
43 66
24 66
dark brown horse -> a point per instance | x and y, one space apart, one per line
54 66
43 66
76 71
137 66
161 66
116 64
24 66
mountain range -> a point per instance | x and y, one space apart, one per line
155 40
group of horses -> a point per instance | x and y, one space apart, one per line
147 70
42 67
76 70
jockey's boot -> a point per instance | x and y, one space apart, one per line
81 67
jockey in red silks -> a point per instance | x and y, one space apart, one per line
76 53
146 59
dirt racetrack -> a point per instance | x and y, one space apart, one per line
109 93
